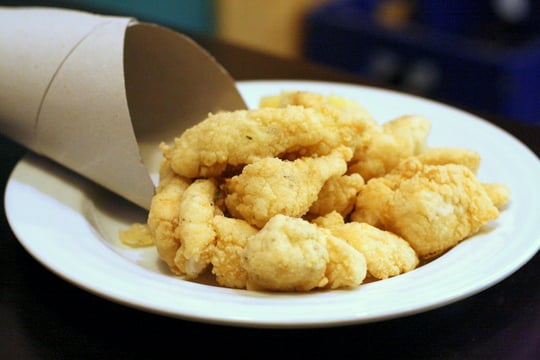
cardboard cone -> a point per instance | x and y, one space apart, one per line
97 94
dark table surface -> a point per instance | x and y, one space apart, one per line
45 317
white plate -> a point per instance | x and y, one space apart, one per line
70 225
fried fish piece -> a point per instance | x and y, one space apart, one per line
287 254
338 194
163 218
273 186
332 105
196 210
330 220
346 267
292 254
498 193
204 151
447 155
433 207
386 254
381 149
227 260
369 201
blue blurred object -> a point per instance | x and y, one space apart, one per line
481 55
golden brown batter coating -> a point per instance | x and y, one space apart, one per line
245 136
227 260
386 253
338 194
433 207
163 218
288 254
195 230
273 186
383 148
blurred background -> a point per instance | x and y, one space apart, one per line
481 55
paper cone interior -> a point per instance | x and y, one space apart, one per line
98 94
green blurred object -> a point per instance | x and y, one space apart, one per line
195 16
